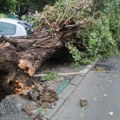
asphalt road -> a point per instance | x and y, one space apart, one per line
102 90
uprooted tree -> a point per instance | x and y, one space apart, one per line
20 58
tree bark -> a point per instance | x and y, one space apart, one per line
20 58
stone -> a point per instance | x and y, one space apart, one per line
39 88
83 102
34 95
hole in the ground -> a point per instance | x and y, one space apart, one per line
58 59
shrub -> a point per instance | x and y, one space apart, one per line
100 35
101 43
3 15
49 76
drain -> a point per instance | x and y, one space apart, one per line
102 67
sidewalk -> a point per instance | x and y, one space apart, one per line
68 91
99 88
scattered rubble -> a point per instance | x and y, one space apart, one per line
43 95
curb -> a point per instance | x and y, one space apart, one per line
64 95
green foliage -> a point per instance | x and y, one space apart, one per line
78 57
98 30
7 5
100 35
101 43
71 9
114 16
111 8
102 39
98 39
75 53
49 76
10 5
35 20
3 15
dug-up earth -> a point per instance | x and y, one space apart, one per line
15 107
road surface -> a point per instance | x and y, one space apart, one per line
101 89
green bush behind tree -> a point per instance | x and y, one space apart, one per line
10 5
102 37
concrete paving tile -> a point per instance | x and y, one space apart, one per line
76 80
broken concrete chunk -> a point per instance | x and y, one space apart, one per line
46 105
83 102
34 95
39 88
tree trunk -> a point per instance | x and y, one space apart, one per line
20 58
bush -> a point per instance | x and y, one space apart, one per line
49 76
111 8
100 31
101 43
3 15
114 16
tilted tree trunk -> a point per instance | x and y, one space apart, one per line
20 58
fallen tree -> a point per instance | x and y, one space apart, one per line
20 58
74 23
